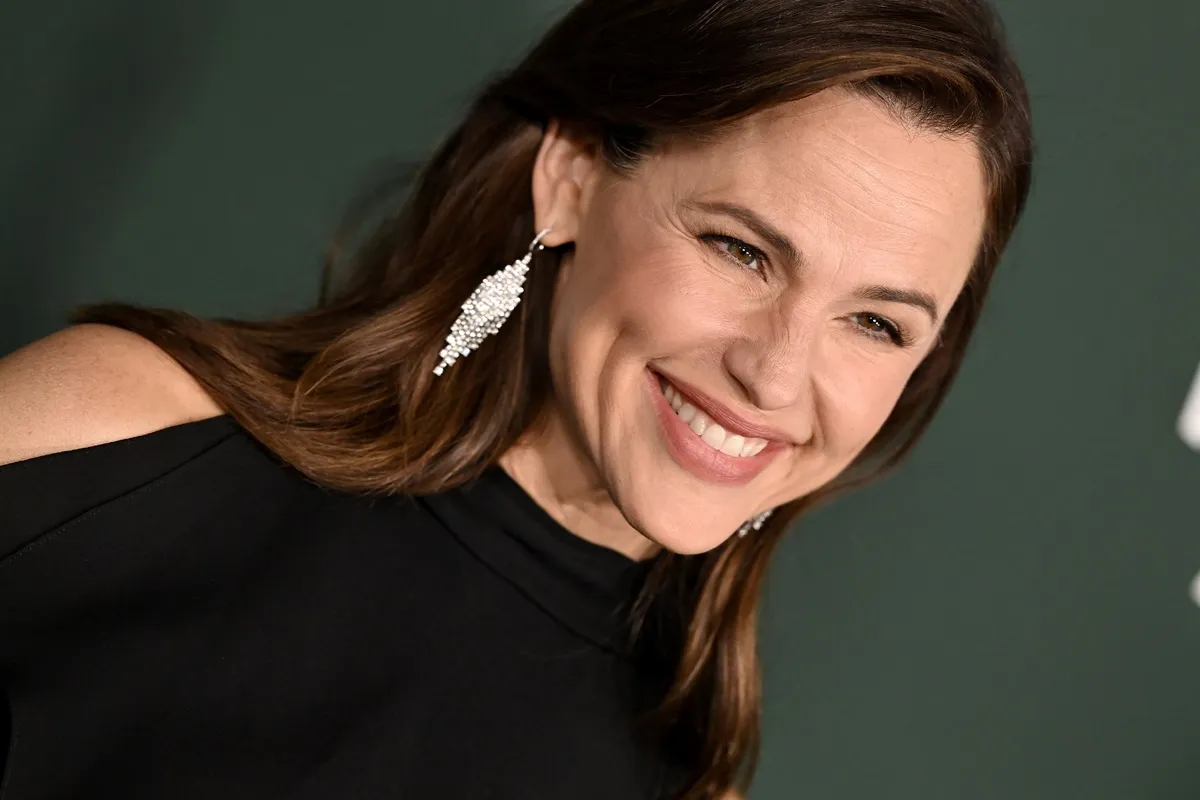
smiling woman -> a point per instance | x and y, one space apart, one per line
748 241
784 281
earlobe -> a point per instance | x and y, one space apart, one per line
562 171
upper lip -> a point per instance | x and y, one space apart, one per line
725 416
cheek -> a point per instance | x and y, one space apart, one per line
672 307
855 395
645 290
616 300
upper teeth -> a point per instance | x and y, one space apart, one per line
710 432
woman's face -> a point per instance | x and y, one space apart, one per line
739 317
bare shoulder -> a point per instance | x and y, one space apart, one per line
88 385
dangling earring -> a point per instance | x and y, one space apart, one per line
755 523
487 308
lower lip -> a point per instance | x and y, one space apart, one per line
697 457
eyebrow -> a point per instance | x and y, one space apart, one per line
912 297
791 255
770 234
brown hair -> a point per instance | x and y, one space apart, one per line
345 391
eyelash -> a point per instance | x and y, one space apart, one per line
881 328
726 239
890 330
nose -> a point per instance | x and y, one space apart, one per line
773 361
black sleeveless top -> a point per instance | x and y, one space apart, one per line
184 616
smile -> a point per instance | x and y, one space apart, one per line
725 452
711 433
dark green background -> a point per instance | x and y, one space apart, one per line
1007 617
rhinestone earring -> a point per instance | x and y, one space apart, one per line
488 307
755 523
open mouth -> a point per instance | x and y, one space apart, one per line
714 451
711 433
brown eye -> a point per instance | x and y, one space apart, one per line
879 327
744 254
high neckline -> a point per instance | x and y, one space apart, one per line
585 586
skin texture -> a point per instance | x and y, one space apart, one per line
800 348
90 384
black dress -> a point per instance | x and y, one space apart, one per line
183 616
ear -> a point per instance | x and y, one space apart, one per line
564 171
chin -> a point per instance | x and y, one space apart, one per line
688 533
687 543
674 490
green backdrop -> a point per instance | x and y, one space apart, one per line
1006 617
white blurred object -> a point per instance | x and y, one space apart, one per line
1189 419
1189 431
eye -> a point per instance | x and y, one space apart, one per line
879 327
744 255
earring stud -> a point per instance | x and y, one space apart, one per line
488 307
755 523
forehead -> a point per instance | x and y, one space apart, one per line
847 180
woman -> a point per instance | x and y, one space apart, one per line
333 555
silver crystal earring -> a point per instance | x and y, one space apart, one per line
488 307
755 523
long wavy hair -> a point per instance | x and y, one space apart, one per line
345 392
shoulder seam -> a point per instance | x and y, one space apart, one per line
52 533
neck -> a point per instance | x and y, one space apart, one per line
550 467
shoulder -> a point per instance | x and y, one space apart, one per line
88 385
